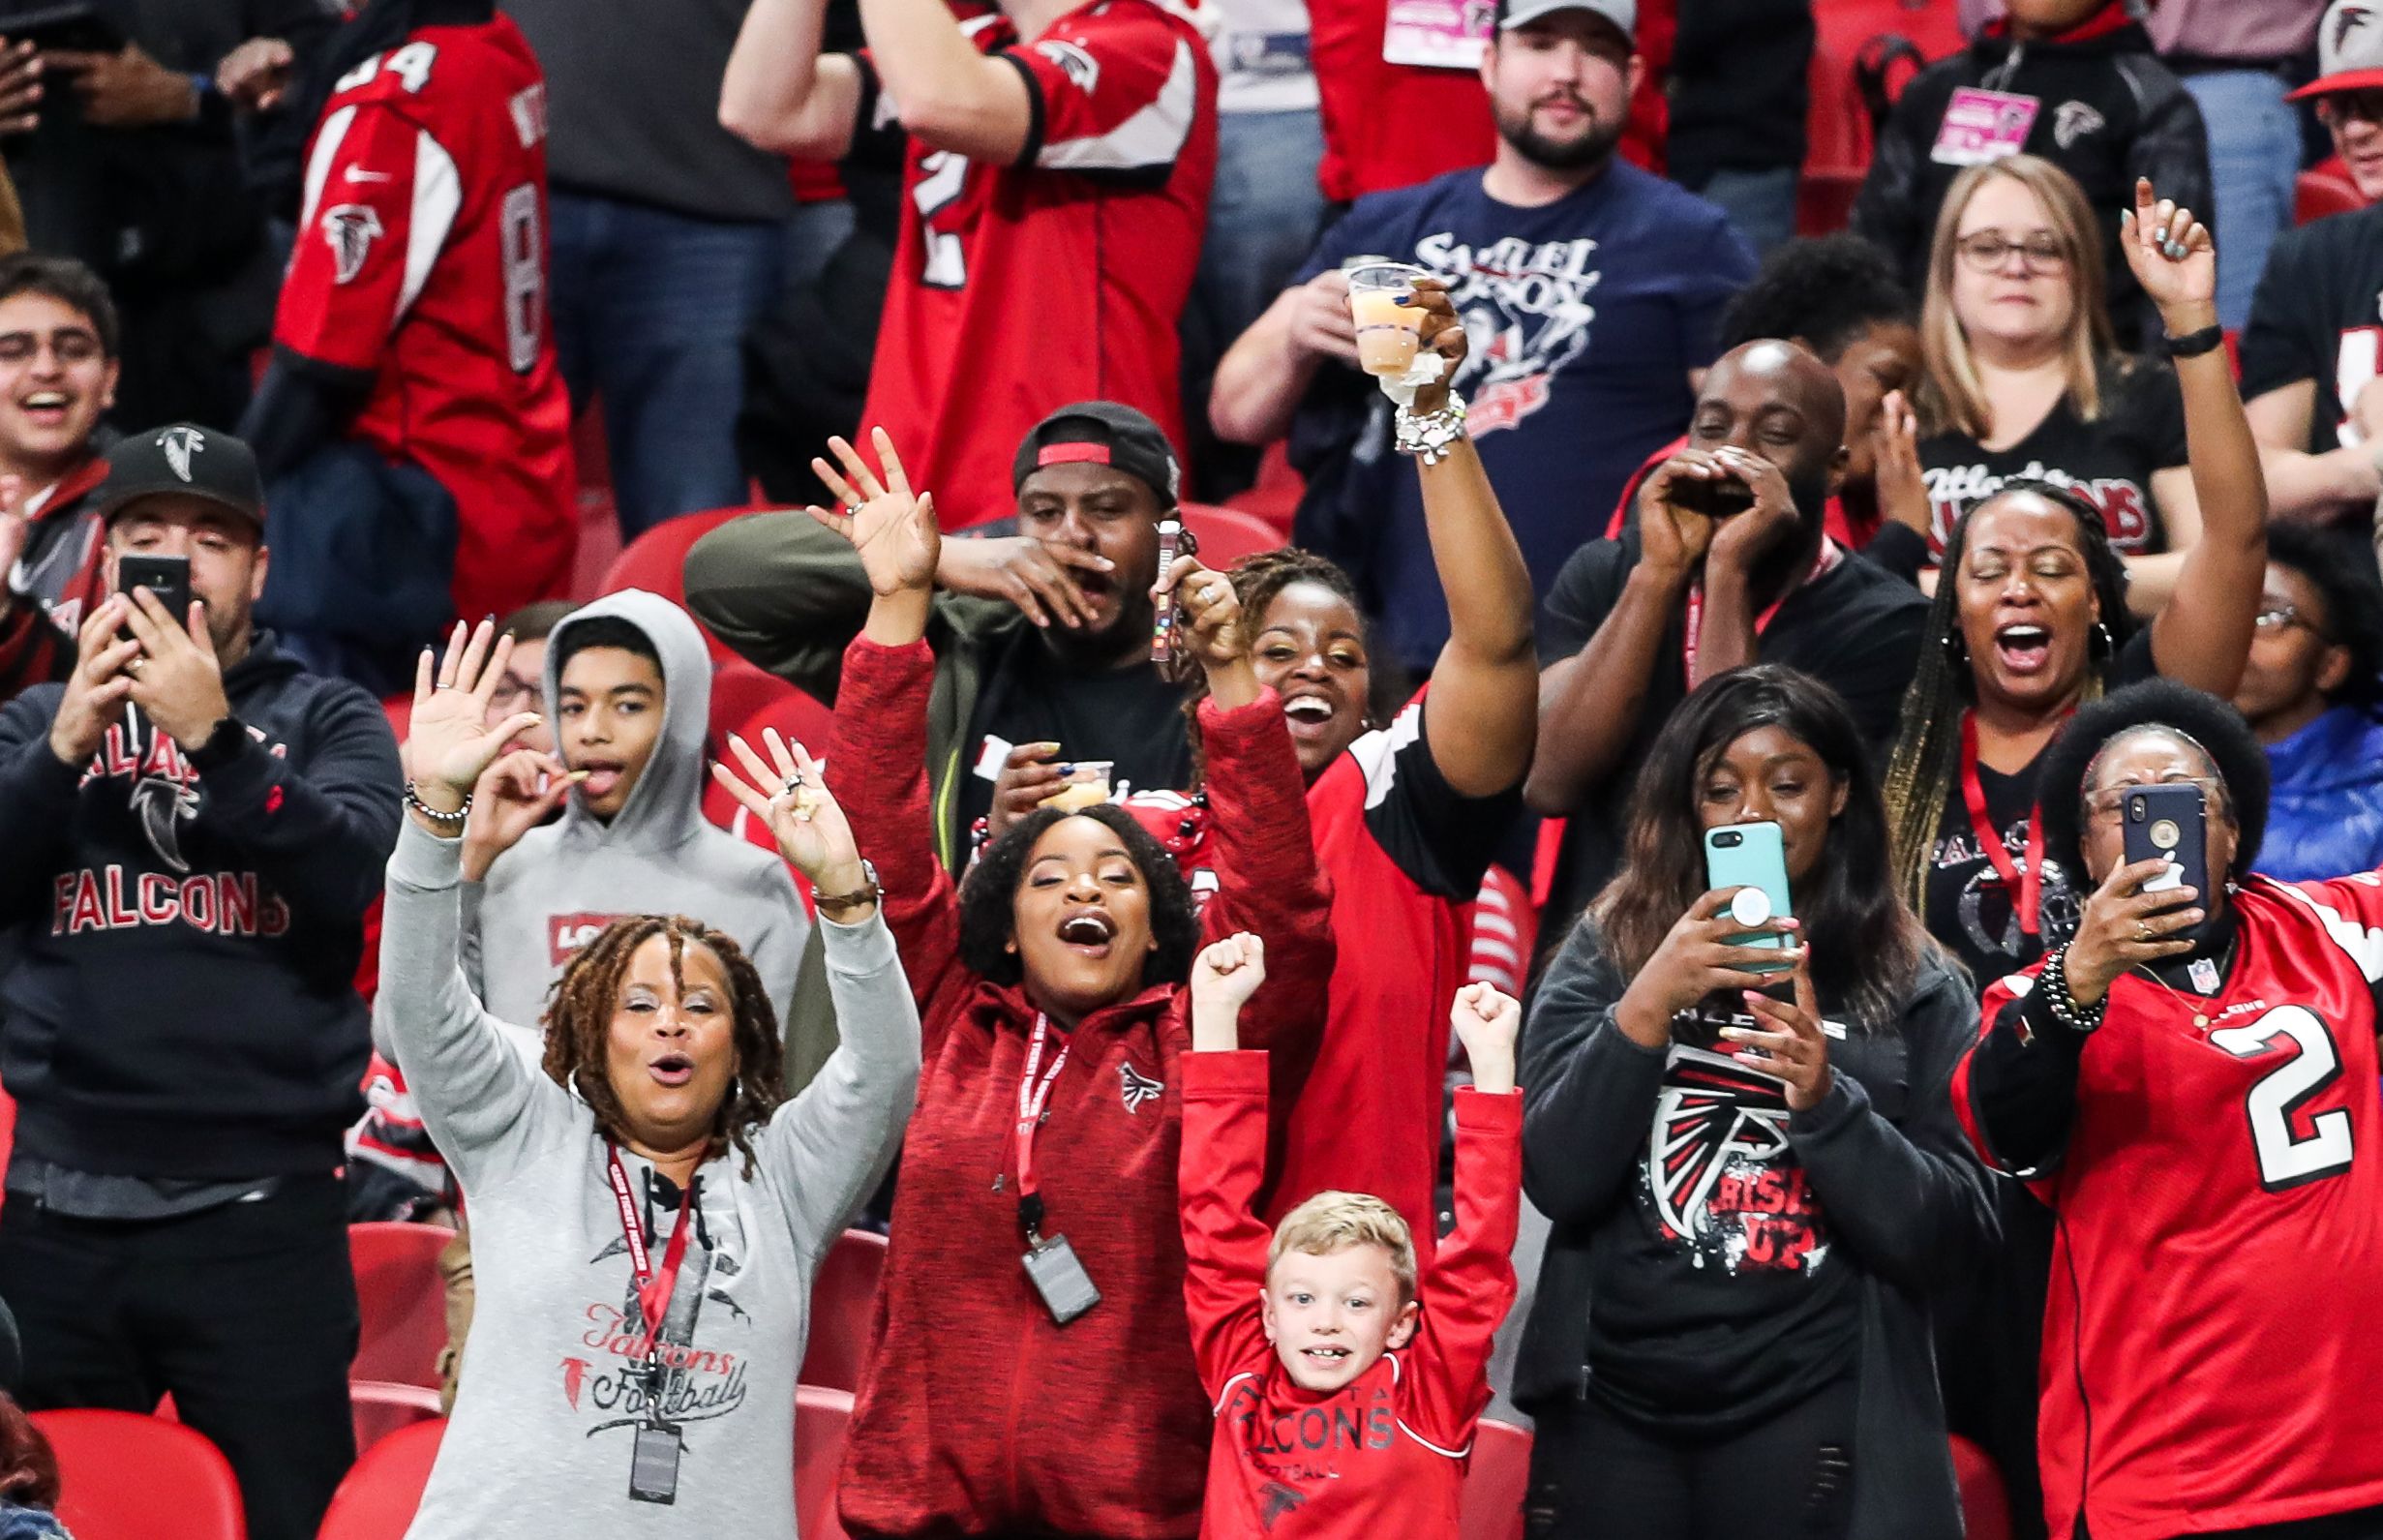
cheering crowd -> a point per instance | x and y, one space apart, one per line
1920 685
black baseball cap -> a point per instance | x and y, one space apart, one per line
1102 433
187 460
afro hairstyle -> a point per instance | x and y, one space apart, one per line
989 897
2217 727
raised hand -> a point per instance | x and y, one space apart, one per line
1224 977
1902 490
2123 927
1742 540
1444 333
1788 1041
449 743
1037 576
1029 774
788 793
177 680
2173 257
894 530
95 691
1699 955
1488 1021
513 796
1672 536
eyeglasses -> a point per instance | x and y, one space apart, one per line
2278 615
510 692
2103 806
1986 250
2363 107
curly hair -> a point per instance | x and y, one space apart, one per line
1258 579
579 1018
2343 571
989 897
1867 945
2234 753
1927 754
1827 289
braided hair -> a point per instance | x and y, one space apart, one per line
579 1019
1927 754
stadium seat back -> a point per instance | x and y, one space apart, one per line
821 1418
377 1499
379 1410
401 1300
1985 1508
2325 190
1227 535
1496 1483
123 1476
843 1310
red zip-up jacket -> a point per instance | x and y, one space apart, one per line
977 1414
1384 1457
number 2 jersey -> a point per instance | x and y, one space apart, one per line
421 262
2210 1344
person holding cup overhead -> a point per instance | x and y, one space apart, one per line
1755 1177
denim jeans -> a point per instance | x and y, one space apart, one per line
650 311
1263 219
2254 155
1762 205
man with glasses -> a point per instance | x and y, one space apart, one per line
2311 694
2313 351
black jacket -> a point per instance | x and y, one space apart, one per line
1739 88
1902 1190
2109 111
187 929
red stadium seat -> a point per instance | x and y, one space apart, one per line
793 712
1227 535
2325 189
821 1418
1495 1487
1848 34
403 1302
1503 929
843 1310
8 1127
378 1498
1275 499
379 1409
123 1476
1986 1511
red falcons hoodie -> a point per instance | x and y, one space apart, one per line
1384 1457
977 1414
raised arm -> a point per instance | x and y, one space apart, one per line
1484 699
2203 637
779 94
949 96
1265 372
1222 1165
788 593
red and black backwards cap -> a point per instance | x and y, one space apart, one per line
1102 433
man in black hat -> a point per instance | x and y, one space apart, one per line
192 828
1041 639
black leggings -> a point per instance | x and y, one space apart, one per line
1595 1477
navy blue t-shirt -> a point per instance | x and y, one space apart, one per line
1585 315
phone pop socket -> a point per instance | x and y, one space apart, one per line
1750 906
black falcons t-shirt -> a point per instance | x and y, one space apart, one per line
1854 628
2141 429
1132 716
1970 908
2317 314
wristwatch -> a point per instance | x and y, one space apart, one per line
869 892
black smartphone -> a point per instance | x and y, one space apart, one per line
167 577
2168 823
1718 498
80 27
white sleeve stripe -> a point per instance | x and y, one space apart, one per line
1152 136
1452 1454
1224 1392
327 141
437 197
1493 952
1378 752
2364 946
1486 922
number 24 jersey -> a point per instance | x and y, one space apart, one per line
2210 1343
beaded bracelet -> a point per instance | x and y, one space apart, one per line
450 823
2054 981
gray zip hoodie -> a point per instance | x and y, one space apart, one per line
564 881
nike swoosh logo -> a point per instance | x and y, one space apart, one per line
355 174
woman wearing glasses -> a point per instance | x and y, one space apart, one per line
2021 379
2187 1081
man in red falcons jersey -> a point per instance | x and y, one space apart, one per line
1060 162
2190 1083
413 426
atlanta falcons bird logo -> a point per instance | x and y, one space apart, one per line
2347 20
179 445
1720 1174
350 231
1136 1088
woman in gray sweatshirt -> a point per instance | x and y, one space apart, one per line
647 1215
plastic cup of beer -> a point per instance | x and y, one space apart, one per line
1388 333
1085 784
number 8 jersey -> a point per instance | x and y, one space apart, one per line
421 262
2210 1343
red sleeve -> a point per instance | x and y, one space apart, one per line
876 770
32 651
1222 1163
1116 93
1471 1284
381 200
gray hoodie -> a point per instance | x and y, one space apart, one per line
659 856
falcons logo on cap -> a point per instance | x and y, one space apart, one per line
1136 1088
2347 20
350 231
1715 1113
179 445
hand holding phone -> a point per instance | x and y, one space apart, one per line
2167 824
167 577
1751 858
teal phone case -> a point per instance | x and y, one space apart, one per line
1756 857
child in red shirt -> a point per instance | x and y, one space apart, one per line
1345 1402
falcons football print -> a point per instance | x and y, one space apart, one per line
1720 1178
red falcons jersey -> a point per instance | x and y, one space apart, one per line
2210 1343
421 261
1019 289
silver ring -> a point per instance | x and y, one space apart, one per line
852 510
2176 250
792 785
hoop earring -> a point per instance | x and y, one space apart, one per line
1956 648
2108 642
